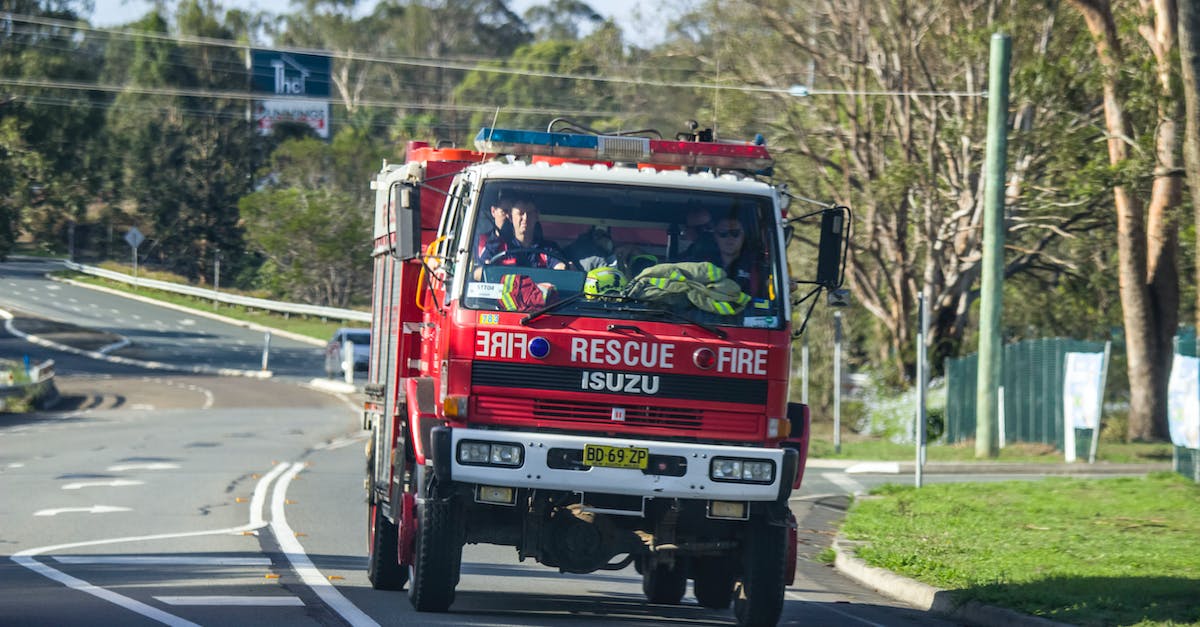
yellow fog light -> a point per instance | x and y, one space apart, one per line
732 510
455 406
495 494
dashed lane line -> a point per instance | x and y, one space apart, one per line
241 601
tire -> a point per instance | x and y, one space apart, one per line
437 557
758 596
713 582
383 567
664 585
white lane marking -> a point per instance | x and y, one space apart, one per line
187 322
53 288
26 558
826 606
71 300
141 407
153 365
162 560
118 345
17 465
300 561
246 601
342 442
115 483
149 466
95 509
846 483
887 468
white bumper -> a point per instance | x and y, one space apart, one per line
695 483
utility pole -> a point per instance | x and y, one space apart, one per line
837 382
990 349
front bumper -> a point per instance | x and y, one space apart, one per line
537 472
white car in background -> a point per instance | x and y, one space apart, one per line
333 350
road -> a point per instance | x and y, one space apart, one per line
149 497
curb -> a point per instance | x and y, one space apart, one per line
926 597
197 312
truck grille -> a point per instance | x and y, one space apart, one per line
599 416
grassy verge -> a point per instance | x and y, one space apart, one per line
311 327
1089 552
1113 452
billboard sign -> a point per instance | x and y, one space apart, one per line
314 113
287 74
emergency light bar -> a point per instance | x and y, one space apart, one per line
737 156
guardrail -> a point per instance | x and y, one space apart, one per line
221 297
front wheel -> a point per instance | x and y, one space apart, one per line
713 581
437 557
663 584
758 596
383 566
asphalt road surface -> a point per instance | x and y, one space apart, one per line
149 497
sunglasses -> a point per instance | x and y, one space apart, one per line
730 233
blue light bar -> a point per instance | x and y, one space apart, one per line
504 141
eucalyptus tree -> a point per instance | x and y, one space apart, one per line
186 152
1147 223
46 158
880 106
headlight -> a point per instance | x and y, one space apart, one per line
742 470
506 454
476 453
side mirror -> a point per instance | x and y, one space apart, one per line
831 251
407 202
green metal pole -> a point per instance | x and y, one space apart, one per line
990 348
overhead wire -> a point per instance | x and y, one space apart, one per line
444 64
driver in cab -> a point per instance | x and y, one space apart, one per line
523 245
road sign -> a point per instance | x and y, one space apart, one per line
134 237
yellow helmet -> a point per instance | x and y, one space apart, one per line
604 281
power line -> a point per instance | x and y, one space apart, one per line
178 92
485 68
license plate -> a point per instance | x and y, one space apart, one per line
615 456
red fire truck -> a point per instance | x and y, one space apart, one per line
583 351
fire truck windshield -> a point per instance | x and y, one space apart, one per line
570 248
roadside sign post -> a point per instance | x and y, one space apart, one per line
216 278
348 361
135 238
923 322
837 382
266 350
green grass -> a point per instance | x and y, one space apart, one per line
311 327
1090 552
883 450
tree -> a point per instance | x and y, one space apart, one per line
895 129
313 222
1189 57
185 160
1146 233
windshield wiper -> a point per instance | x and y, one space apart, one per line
650 308
647 308
534 315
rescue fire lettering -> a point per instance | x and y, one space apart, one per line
617 353
502 345
619 382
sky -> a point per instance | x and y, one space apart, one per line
637 18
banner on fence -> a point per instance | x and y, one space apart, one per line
1083 396
1183 402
